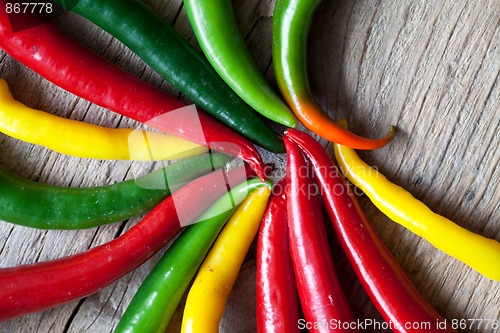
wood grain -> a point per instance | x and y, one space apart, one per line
429 67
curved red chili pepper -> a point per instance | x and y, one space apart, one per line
387 285
68 64
321 296
277 301
36 287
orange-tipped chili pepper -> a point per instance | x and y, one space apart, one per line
291 22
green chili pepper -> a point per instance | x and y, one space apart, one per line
217 31
43 206
291 23
156 42
159 295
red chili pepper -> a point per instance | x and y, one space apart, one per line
277 301
63 61
36 287
387 285
323 301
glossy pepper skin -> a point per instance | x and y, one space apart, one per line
80 139
385 282
58 58
159 295
36 287
158 45
42 206
217 32
479 252
213 283
320 293
276 293
291 22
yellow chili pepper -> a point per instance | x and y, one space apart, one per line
208 295
85 140
480 253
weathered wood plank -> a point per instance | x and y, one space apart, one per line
431 68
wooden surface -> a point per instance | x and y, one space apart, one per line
429 67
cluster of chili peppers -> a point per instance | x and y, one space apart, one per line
296 274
